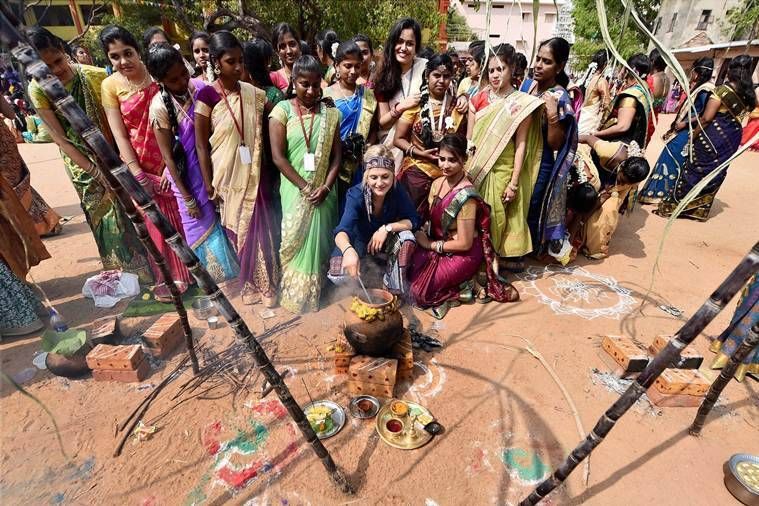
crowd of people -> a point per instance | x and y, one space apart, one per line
435 177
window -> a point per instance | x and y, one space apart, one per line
526 17
495 35
53 15
703 21
672 23
550 18
98 19
499 6
657 25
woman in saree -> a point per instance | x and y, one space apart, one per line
257 55
470 85
715 140
172 116
305 146
746 316
366 75
229 139
286 43
456 243
752 126
421 128
504 130
20 250
658 85
597 98
14 170
126 98
326 46
376 229
672 158
357 106
114 234
614 169
547 213
200 55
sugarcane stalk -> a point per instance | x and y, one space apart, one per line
109 159
670 354
750 342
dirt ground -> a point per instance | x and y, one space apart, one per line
507 421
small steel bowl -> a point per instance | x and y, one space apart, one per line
203 308
364 406
213 322
741 478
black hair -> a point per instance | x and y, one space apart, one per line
427 52
560 50
739 76
441 59
346 49
600 58
477 51
257 54
656 61
475 43
41 38
640 64
520 62
389 77
325 39
635 169
456 144
149 33
703 68
360 37
506 53
222 42
159 59
198 35
582 198
303 65
279 31
305 49
113 33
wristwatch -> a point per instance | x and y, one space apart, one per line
388 228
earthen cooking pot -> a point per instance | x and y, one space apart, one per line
374 328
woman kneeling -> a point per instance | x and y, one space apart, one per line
458 239
378 220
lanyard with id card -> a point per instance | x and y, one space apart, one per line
243 150
309 159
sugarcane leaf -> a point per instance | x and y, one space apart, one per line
535 14
22 391
63 343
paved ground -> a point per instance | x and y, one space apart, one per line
507 419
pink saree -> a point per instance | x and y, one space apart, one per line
135 111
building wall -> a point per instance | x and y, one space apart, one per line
511 22
686 23
59 18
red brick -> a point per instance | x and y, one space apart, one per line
673 400
377 370
165 329
626 353
123 376
106 356
105 330
689 358
166 347
361 388
682 382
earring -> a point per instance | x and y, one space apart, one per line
216 69
337 75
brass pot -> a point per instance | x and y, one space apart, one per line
374 328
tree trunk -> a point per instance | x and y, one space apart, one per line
671 353
109 161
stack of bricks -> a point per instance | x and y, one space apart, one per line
372 376
404 353
679 386
105 330
126 364
163 337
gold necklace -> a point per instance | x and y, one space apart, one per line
146 80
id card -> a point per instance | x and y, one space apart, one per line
245 155
309 162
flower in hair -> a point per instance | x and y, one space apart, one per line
334 48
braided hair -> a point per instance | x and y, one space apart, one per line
160 59
442 59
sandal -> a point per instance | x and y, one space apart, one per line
482 296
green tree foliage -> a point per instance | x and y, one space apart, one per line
629 40
457 27
742 22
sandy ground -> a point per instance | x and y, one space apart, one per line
507 421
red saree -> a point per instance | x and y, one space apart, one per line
135 111
436 279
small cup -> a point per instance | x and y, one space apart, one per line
213 322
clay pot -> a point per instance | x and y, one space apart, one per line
373 329
69 367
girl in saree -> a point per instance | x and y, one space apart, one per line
457 241
746 316
366 75
14 170
658 85
547 214
597 98
357 106
286 43
672 157
752 126
200 55
470 85
126 98
305 146
257 55
421 128
114 234
376 229
504 129
172 118
229 119
715 140
326 45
